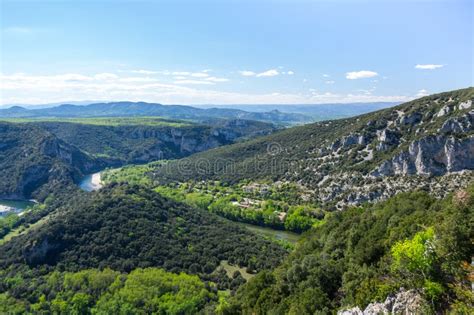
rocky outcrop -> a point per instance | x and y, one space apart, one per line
403 303
456 125
465 105
410 119
57 149
445 110
387 138
432 155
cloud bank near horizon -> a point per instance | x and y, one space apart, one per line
22 88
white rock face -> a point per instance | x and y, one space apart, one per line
351 311
404 303
444 111
465 105
432 155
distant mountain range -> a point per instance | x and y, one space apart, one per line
316 111
151 109
275 113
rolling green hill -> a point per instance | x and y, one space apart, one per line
127 228
292 178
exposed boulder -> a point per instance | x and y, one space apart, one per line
445 110
351 311
465 105
403 303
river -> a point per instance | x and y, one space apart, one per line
17 206
91 182
278 234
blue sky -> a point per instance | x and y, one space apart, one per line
234 52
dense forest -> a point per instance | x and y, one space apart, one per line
142 291
125 227
361 255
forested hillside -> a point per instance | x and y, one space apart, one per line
55 153
144 290
34 162
102 253
135 142
367 254
123 228
428 143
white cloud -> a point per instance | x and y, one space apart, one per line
330 82
199 75
194 82
361 74
181 73
105 76
38 89
290 72
326 75
422 93
247 73
144 71
428 67
138 79
268 73
214 79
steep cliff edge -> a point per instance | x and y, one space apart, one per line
31 158
125 144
